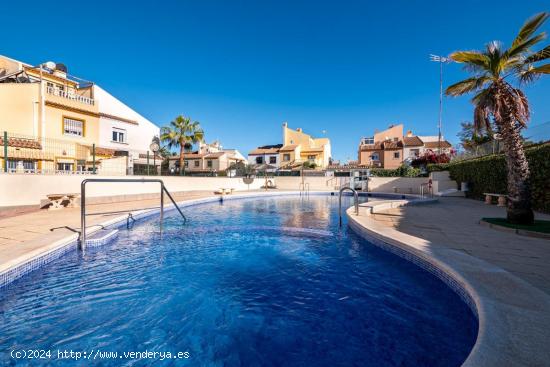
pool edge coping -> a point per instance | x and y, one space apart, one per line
513 325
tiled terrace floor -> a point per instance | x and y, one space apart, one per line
453 223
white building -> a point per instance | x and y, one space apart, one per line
124 130
267 154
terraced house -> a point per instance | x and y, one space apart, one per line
208 159
56 123
390 148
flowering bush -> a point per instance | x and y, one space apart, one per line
431 157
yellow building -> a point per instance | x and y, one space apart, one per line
299 147
51 119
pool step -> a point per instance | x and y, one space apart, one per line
101 237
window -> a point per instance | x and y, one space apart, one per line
197 163
272 160
73 127
209 163
65 166
26 165
259 160
368 141
396 155
119 135
185 163
375 157
414 152
286 157
311 157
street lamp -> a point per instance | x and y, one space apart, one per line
155 147
441 60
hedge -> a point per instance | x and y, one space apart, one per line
402 171
488 174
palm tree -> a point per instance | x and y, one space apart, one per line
182 133
500 105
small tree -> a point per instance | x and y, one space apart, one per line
182 134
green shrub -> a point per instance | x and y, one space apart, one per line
403 171
488 174
437 167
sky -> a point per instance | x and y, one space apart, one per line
339 69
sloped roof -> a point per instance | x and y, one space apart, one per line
390 144
412 141
288 148
312 150
22 143
104 152
261 151
214 155
435 144
368 147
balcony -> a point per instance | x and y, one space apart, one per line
70 95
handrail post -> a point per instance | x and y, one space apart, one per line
83 215
162 188
82 242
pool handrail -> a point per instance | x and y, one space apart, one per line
82 237
355 201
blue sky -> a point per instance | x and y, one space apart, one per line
241 68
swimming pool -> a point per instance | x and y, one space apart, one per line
254 282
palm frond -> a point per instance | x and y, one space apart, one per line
524 47
531 73
467 86
473 58
530 27
541 55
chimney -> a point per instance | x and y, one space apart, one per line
285 124
299 129
409 133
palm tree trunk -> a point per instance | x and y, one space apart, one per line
519 193
182 161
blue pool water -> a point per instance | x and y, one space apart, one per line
240 285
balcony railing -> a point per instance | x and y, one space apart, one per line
70 95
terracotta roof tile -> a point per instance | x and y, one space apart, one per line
22 143
390 144
368 147
260 151
288 148
435 144
412 141
104 152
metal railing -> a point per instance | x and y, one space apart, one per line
355 202
304 188
70 95
163 190
428 189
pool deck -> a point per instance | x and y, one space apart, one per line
454 223
24 235
504 275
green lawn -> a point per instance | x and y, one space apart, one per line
542 226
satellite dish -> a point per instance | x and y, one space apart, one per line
50 65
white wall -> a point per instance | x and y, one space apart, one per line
378 184
252 159
21 189
138 136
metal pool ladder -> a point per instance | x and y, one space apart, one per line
304 188
163 190
355 202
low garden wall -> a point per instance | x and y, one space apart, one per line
488 174
24 189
